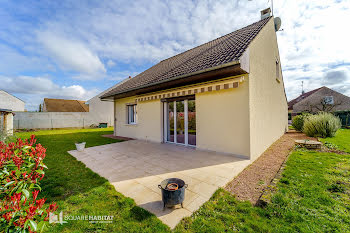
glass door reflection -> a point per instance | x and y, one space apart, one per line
191 122
170 124
180 122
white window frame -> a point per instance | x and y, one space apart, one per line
166 123
131 118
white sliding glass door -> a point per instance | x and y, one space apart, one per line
180 122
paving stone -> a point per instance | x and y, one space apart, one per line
135 168
196 203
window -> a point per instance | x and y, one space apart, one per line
131 114
328 100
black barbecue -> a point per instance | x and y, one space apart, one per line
173 192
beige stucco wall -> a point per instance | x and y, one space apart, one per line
223 120
148 123
267 102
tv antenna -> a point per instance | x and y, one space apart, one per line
302 87
271 6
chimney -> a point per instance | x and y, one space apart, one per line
265 13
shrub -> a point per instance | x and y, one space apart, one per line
298 121
21 169
321 125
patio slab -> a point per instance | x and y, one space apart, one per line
136 167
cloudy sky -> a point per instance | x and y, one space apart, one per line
76 49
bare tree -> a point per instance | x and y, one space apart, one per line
321 106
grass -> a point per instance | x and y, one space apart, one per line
79 191
341 140
312 195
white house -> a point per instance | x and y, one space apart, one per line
10 102
103 111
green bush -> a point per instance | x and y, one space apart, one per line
321 125
298 121
21 169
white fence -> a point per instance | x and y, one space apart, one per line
52 120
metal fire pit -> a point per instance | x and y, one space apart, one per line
173 192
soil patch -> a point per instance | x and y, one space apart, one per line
251 182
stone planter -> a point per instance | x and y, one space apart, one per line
309 144
80 146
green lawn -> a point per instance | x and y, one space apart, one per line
341 140
79 191
312 196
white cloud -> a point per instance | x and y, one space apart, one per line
313 43
13 61
148 31
33 90
72 55
110 63
136 32
80 35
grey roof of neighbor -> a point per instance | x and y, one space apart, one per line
300 98
312 101
217 52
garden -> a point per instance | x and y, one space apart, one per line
312 195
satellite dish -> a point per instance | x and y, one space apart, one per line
278 23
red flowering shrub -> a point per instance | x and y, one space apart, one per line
21 169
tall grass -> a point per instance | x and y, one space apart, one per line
298 121
321 125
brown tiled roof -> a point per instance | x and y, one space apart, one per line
300 98
218 52
62 105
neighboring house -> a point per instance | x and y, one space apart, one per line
10 102
226 95
320 99
103 111
62 105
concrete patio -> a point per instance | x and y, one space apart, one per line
136 167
